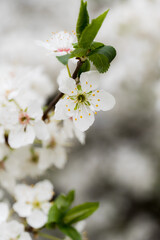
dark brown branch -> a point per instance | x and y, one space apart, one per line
60 95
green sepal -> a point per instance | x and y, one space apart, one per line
80 212
83 19
64 58
90 32
70 232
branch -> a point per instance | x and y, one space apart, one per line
60 95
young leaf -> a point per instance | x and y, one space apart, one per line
108 51
83 19
100 61
96 45
54 215
64 58
90 32
80 212
85 67
70 232
63 202
79 52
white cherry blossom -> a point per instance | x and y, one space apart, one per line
28 126
83 100
33 202
60 43
13 230
4 210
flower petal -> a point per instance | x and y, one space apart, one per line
23 209
41 130
4 210
83 118
68 86
37 219
102 100
43 190
19 137
64 109
90 81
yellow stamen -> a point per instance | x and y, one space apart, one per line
98 100
97 91
80 116
89 114
66 105
96 105
93 95
86 82
95 112
69 110
75 119
72 92
90 85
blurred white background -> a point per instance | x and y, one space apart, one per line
120 163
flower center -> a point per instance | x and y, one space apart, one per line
24 118
81 98
36 204
63 50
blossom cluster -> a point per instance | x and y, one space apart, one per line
35 132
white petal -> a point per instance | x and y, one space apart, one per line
68 86
45 207
64 109
25 236
15 229
89 81
41 130
18 137
24 193
83 118
4 212
23 209
43 190
60 158
102 100
35 111
37 219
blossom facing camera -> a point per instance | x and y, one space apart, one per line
33 202
60 43
82 101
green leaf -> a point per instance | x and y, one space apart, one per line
70 231
83 19
79 52
85 67
96 45
75 45
90 32
108 51
63 202
80 212
54 215
64 59
101 62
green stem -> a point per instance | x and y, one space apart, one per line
69 73
48 236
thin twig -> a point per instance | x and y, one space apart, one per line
52 104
